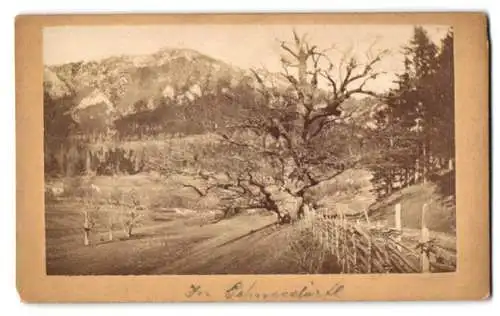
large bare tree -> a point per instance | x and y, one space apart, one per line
292 136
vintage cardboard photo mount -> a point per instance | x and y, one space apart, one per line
470 281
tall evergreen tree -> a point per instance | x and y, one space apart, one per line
415 131
422 53
443 145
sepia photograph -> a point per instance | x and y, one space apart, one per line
247 149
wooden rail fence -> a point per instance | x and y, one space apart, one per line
365 248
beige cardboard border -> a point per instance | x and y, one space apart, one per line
471 281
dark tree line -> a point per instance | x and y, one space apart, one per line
69 133
78 159
194 116
66 145
414 133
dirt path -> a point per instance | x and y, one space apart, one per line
258 251
237 245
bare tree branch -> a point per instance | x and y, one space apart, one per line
285 47
197 190
286 140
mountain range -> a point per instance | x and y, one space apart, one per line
101 92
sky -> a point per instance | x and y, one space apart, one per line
245 46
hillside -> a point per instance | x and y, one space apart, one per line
438 194
138 95
160 89
150 97
170 72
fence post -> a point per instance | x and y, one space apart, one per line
88 163
320 236
110 228
387 258
397 214
425 239
397 221
86 229
355 249
346 249
336 227
369 268
367 218
311 225
331 235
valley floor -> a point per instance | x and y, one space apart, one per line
247 244
190 242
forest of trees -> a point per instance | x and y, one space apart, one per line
199 115
415 131
68 149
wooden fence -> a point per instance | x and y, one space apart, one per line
366 248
